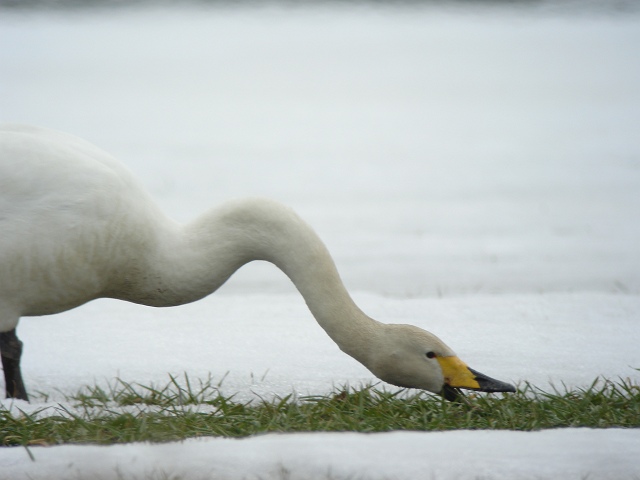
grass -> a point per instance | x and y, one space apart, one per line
127 412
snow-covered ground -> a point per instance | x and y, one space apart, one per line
476 173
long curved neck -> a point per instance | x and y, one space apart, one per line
211 249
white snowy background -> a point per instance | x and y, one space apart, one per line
475 172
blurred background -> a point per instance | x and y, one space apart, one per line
554 5
439 147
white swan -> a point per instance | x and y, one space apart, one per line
75 225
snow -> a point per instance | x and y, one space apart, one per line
475 173
397 455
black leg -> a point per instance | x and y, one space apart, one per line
11 351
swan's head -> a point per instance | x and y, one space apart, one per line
408 356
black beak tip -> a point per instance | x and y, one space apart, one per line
509 388
488 384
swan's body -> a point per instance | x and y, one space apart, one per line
75 226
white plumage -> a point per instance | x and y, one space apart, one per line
75 225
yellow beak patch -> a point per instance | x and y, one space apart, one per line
457 374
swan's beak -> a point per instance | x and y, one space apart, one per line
458 375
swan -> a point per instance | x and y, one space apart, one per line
75 225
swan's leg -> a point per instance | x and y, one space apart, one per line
11 350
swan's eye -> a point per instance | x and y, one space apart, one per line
431 355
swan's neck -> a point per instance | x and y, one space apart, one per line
198 259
